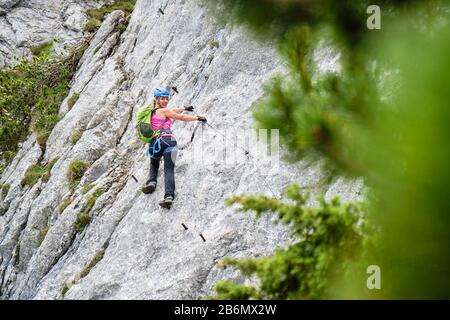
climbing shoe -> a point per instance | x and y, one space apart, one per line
167 202
149 187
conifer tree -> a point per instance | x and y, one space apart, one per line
382 117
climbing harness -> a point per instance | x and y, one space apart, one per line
155 147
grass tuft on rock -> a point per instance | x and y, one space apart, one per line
64 289
83 219
36 172
87 188
98 15
92 25
93 198
43 49
75 172
97 258
214 44
5 189
64 204
72 100
76 136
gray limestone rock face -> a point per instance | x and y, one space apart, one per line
28 23
7 5
142 251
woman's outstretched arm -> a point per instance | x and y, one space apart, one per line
178 110
170 113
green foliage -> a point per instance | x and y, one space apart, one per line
210 58
31 93
72 100
49 167
64 289
87 188
42 235
329 240
86 270
273 19
75 172
36 172
76 136
83 219
5 189
64 204
43 49
233 291
8 156
98 15
93 198
383 117
213 44
5 159
92 25
45 115
98 257
97 49
406 151
32 175
314 118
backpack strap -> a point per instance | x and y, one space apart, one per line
162 124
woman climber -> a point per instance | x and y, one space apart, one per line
164 144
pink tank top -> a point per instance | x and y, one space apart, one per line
158 121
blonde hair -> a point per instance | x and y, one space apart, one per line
155 103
